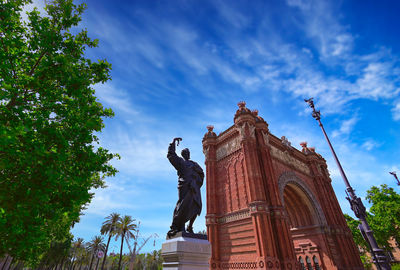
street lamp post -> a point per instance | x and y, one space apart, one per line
395 176
380 259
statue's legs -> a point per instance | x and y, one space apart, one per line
177 223
190 226
178 220
186 210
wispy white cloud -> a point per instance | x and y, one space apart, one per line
231 15
302 4
105 203
396 111
117 99
263 63
346 126
141 152
370 144
319 22
376 81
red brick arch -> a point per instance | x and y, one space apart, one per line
268 204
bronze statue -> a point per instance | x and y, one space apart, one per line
190 180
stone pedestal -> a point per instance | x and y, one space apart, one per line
183 252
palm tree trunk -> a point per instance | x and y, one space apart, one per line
5 262
105 253
97 264
80 265
91 261
120 253
62 262
72 259
10 263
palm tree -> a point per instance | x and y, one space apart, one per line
76 246
84 258
126 227
109 227
94 246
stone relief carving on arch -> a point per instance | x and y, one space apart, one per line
287 158
242 130
252 131
291 178
228 148
265 137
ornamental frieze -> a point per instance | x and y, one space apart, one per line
228 148
287 158
234 216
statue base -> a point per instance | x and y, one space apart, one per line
185 251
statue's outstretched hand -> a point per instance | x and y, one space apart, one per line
177 140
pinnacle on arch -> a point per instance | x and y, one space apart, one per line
210 133
242 109
308 150
258 118
305 149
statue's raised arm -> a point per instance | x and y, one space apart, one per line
173 158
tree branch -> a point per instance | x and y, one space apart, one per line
36 64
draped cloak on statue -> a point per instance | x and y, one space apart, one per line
190 179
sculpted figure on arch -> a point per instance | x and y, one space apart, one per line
190 180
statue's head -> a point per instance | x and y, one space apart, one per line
185 154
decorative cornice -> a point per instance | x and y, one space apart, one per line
239 215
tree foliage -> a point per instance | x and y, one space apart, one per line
353 225
48 119
385 211
383 218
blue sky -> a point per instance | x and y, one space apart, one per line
179 66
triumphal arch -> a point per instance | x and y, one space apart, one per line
269 205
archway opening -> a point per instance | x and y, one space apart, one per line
305 222
299 207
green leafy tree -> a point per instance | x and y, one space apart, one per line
383 218
126 227
385 211
109 227
359 240
48 119
353 225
